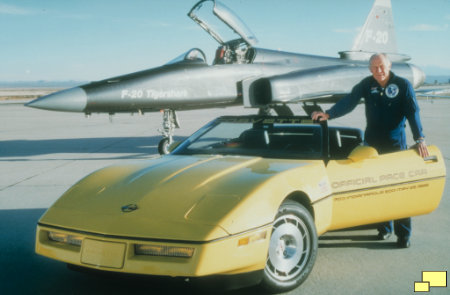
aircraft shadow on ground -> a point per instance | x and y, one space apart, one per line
138 146
25 272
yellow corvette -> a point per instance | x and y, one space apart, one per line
243 195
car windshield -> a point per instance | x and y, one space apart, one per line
269 137
221 22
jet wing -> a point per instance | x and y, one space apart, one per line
324 97
435 91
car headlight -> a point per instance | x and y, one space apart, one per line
65 238
161 250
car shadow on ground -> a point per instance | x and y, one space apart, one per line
358 237
25 272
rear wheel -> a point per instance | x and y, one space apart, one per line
292 249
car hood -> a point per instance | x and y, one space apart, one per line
196 198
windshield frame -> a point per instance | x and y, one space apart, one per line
271 124
193 55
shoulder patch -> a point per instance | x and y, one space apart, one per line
392 90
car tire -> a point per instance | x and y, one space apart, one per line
292 250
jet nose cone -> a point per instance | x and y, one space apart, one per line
69 100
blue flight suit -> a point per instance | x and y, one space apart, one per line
387 110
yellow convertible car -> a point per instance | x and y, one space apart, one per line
245 195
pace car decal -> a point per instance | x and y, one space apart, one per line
381 179
324 187
383 191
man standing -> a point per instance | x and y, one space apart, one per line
389 101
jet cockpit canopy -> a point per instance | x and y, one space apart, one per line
217 19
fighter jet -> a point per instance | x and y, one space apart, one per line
240 74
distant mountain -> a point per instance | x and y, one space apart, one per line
437 79
430 79
41 84
436 74
435 70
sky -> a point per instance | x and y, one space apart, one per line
87 40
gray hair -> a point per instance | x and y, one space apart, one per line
383 55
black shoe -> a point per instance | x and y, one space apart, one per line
383 236
403 242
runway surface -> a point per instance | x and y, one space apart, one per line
43 153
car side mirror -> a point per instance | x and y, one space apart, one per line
360 153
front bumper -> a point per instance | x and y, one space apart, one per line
237 254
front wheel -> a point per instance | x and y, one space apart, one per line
163 146
292 249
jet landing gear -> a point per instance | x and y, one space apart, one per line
170 122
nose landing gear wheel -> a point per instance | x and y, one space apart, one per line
170 122
292 249
163 146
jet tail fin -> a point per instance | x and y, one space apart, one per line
377 35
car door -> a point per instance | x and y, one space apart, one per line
369 188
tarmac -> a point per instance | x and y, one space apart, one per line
43 153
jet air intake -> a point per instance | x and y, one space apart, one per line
327 83
332 82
